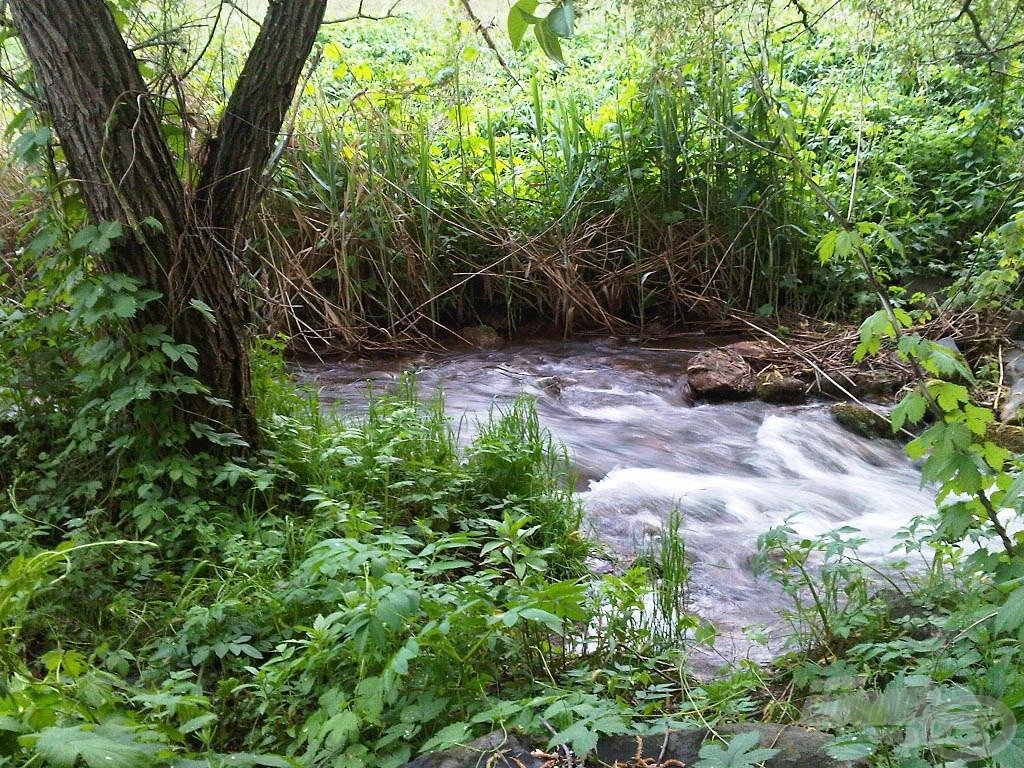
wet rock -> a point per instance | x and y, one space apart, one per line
877 384
720 374
553 385
482 337
495 750
798 747
1012 410
862 420
756 353
1015 324
775 386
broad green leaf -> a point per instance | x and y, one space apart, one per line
739 753
1014 491
449 736
705 634
948 395
560 21
582 738
123 305
204 309
912 408
520 17
994 455
548 41
106 746
976 418
249 760
84 237
847 243
546 618
1011 614
902 317
827 246
850 747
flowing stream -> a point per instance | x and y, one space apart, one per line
642 449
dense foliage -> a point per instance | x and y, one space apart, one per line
357 591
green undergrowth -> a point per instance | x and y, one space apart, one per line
348 593
352 592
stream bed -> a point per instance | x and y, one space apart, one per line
642 449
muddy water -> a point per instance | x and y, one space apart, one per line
642 450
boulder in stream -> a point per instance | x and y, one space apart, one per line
481 337
862 420
720 374
776 386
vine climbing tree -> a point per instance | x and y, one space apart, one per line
180 242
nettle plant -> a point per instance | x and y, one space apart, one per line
980 486
95 445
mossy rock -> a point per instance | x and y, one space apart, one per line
775 386
482 337
862 420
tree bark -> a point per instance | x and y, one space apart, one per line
111 136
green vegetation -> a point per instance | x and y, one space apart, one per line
350 593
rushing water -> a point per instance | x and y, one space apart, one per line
642 450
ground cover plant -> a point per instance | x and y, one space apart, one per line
345 593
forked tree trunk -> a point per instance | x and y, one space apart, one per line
112 139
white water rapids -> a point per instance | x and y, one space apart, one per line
641 451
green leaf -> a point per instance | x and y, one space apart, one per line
546 618
740 752
827 246
249 760
204 309
548 41
560 21
847 243
853 746
1014 491
1011 614
582 738
123 305
912 408
449 736
520 17
106 746
705 634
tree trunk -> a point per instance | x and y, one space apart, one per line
112 139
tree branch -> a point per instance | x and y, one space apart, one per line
966 10
361 14
255 112
485 33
